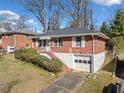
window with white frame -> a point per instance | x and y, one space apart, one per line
78 41
58 42
42 43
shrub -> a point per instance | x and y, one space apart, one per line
30 50
18 53
21 52
30 55
5 86
53 65
40 59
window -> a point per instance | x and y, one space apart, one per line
42 43
89 62
80 61
76 61
84 61
58 42
78 41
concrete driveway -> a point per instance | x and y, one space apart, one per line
67 83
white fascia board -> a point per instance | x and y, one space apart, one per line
95 34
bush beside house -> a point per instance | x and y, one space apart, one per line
31 56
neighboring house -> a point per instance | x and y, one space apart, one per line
18 39
78 49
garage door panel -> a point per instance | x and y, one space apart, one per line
82 63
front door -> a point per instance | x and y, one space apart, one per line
45 45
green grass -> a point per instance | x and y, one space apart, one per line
25 77
15 82
119 43
96 84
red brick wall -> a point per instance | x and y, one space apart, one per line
67 46
7 40
20 40
99 45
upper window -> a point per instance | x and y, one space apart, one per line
78 42
58 42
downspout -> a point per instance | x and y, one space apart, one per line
93 53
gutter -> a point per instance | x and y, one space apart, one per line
67 35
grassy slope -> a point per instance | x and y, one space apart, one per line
96 85
26 78
119 43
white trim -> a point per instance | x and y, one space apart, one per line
83 41
44 37
73 41
84 34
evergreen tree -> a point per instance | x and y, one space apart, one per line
117 25
104 29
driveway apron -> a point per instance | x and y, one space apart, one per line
67 83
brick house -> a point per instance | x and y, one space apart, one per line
79 49
18 39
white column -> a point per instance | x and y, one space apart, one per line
36 43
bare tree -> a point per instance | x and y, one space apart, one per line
43 10
78 11
20 24
10 22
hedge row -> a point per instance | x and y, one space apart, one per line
31 55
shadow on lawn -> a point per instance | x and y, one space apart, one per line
111 88
109 67
120 69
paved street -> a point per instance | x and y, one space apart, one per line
67 83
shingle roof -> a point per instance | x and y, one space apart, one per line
70 32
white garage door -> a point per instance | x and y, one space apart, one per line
82 63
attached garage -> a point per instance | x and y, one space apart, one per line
82 63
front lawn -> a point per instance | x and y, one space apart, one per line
96 84
25 77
